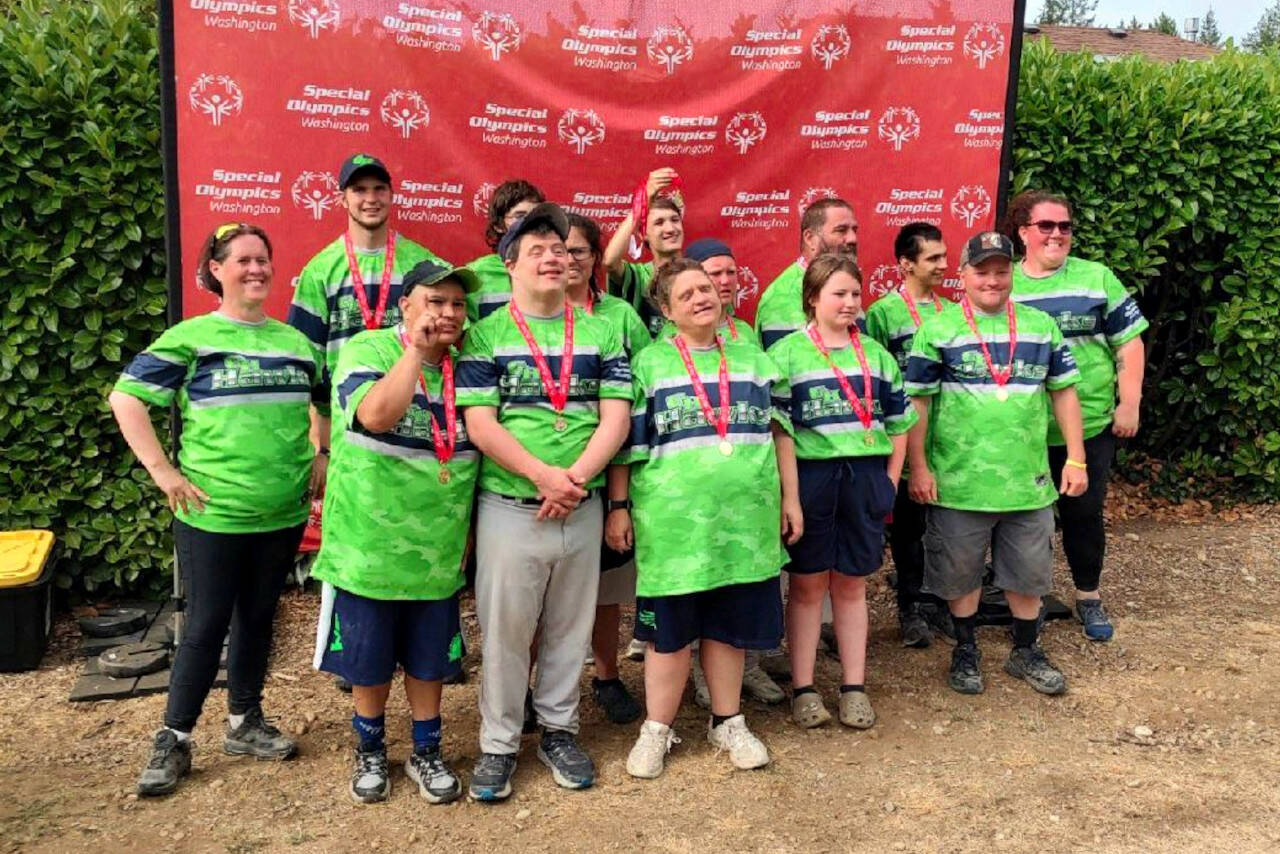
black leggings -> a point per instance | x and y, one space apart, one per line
1084 537
229 580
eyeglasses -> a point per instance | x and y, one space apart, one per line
1046 226
580 253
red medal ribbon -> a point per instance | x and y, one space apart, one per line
444 444
721 422
999 376
733 330
911 305
557 393
640 201
864 409
372 317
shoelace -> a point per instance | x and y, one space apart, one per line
560 747
491 765
160 755
438 772
254 718
968 658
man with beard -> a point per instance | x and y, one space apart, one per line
828 225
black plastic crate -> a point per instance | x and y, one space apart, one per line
26 616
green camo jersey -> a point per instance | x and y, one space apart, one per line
781 308
1096 316
392 530
703 520
635 335
632 285
324 304
889 321
986 454
825 424
495 287
497 369
243 390
732 328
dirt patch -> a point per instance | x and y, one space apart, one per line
1196 656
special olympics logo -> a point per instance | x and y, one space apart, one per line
814 195
315 15
983 42
899 125
669 47
884 279
316 192
830 44
745 130
580 128
483 196
970 204
216 96
497 33
405 110
748 287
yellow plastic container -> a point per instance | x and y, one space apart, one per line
26 598
23 555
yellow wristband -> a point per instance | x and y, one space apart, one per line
1076 464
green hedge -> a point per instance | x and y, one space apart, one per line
1172 169
82 261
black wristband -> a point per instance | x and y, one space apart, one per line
617 504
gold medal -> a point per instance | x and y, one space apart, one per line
445 475
561 425
726 448
868 439
1002 394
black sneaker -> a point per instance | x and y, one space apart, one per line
966 673
436 780
255 737
342 685
570 765
938 616
530 725
913 627
170 761
491 777
827 636
1030 664
618 704
371 779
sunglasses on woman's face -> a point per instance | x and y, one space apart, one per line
1046 226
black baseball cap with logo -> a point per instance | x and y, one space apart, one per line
546 213
358 165
984 245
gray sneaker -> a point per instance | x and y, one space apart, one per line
371 779
913 627
170 761
966 669
436 780
570 765
255 737
1030 664
491 777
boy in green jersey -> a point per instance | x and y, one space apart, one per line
663 233
984 378
711 459
511 201
893 320
545 393
397 515
828 225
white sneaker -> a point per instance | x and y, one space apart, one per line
701 693
745 750
650 750
757 684
635 650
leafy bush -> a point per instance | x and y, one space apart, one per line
1172 172
82 261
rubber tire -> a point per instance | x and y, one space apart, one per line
113 622
134 659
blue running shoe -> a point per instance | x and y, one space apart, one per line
1097 626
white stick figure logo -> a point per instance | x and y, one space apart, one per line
480 201
884 279
497 33
830 44
748 287
216 96
405 110
970 204
812 195
899 125
745 130
316 192
669 47
315 15
983 42
580 128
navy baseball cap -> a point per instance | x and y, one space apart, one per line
546 213
431 273
707 247
984 245
361 164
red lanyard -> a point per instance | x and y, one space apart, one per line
558 393
999 376
911 305
862 408
444 444
721 422
372 318
640 202
733 330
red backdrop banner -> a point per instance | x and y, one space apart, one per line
762 106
